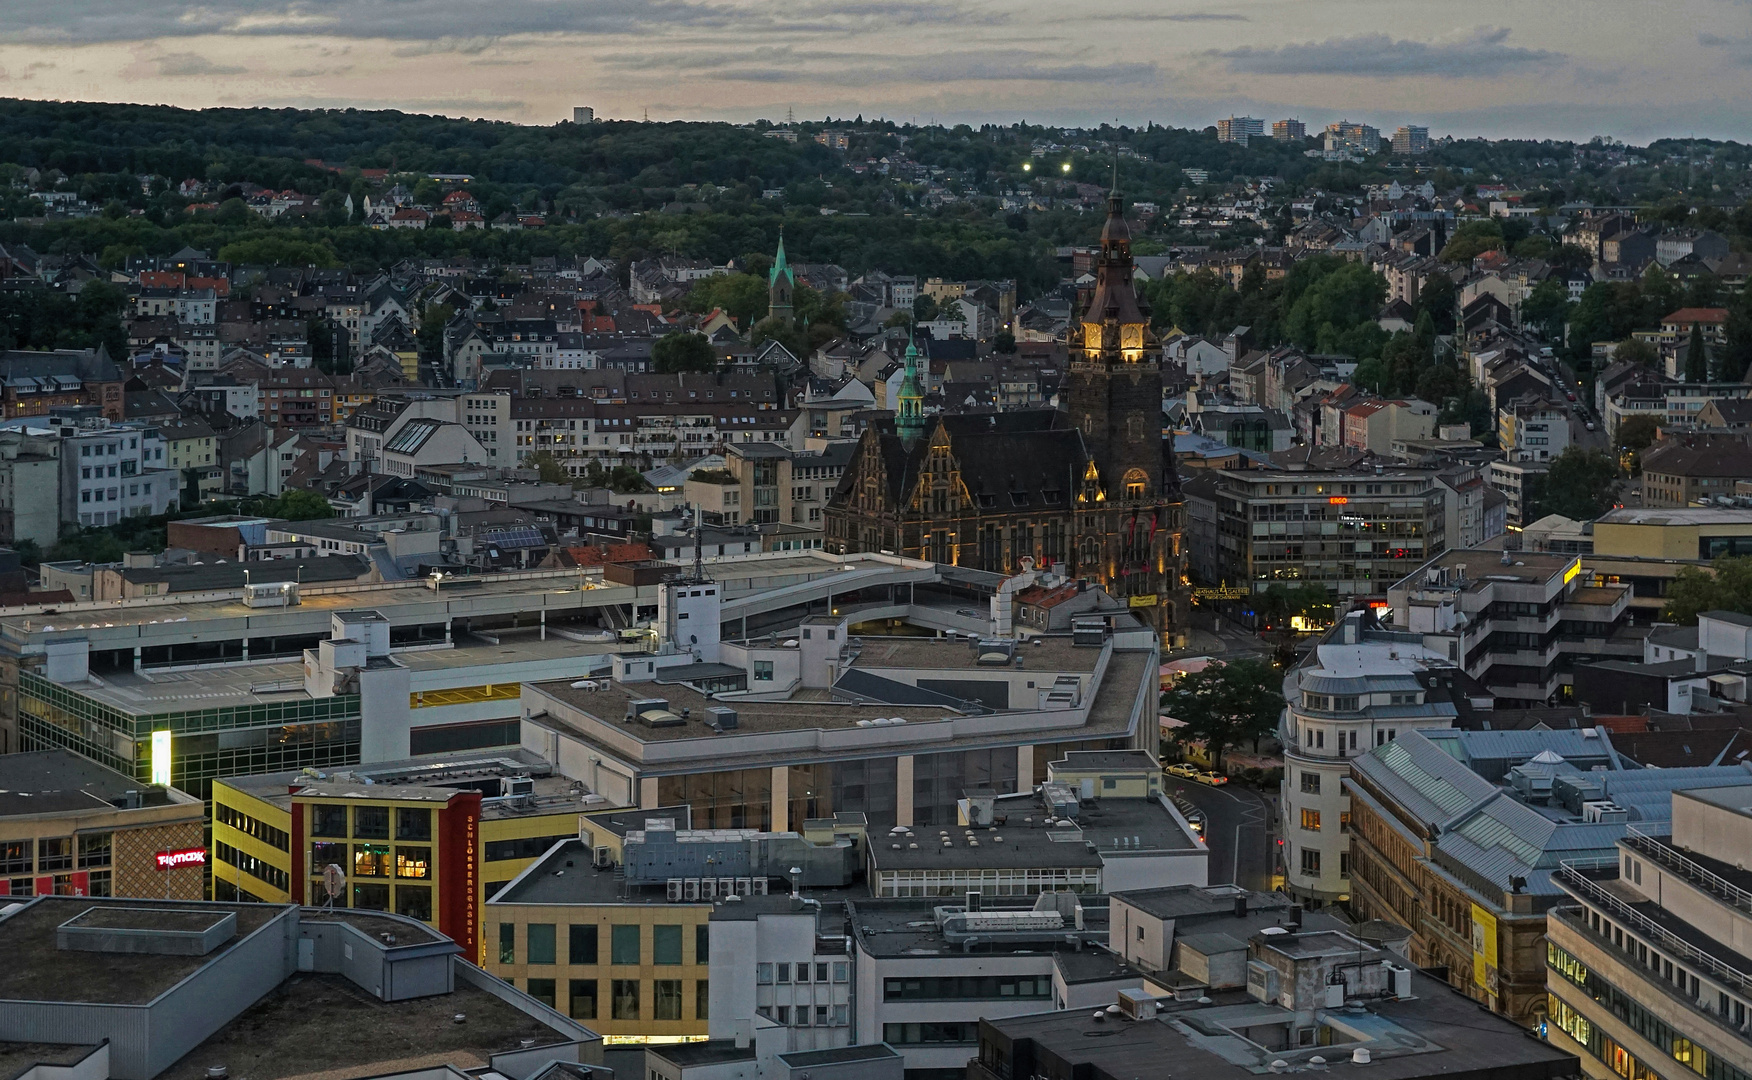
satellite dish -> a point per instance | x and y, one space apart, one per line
334 882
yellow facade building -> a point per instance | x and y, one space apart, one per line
432 840
571 934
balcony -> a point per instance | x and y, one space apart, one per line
1681 865
1582 880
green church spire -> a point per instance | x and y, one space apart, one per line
780 285
909 415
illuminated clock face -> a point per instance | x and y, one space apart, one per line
1131 336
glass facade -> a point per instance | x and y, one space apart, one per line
247 740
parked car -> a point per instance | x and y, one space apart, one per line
1571 394
1210 778
1190 772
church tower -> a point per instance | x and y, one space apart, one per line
909 412
780 284
1128 516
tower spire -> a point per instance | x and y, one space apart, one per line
909 413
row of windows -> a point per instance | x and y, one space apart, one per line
1629 1010
373 860
252 827
97 884
254 867
54 853
371 822
768 974
626 998
1603 1046
967 987
804 1016
540 944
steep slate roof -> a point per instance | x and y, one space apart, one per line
1028 451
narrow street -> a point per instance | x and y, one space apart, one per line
1239 830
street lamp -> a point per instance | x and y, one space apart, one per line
1066 167
1028 166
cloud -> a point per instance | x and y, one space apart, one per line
1182 16
1483 53
472 46
459 21
178 65
785 65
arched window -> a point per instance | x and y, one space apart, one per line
1137 484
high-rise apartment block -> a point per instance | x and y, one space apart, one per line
1411 139
1238 129
1346 137
1288 130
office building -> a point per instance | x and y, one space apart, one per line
1355 531
429 839
620 925
111 471
71 827
1239 129
1515 622
1458 836
583 114
927 971
226 676
1358 689
141 989
1643 975
1289 130
896 728
1316 1001
1411 139
1099 823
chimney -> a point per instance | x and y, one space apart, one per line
1295 916
1241 906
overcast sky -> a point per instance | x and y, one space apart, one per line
1634 69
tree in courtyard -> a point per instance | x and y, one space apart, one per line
1636 351
1725 586
1696 356
682 351
1638 432
547 467
1578 485
1226 704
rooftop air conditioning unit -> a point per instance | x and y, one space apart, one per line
674 889
516 785
604 858
1136 1003
1262 981
690 889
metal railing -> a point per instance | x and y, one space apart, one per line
1678 863
1586 889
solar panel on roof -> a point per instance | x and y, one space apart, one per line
521 536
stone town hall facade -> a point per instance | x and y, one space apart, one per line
1092 485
